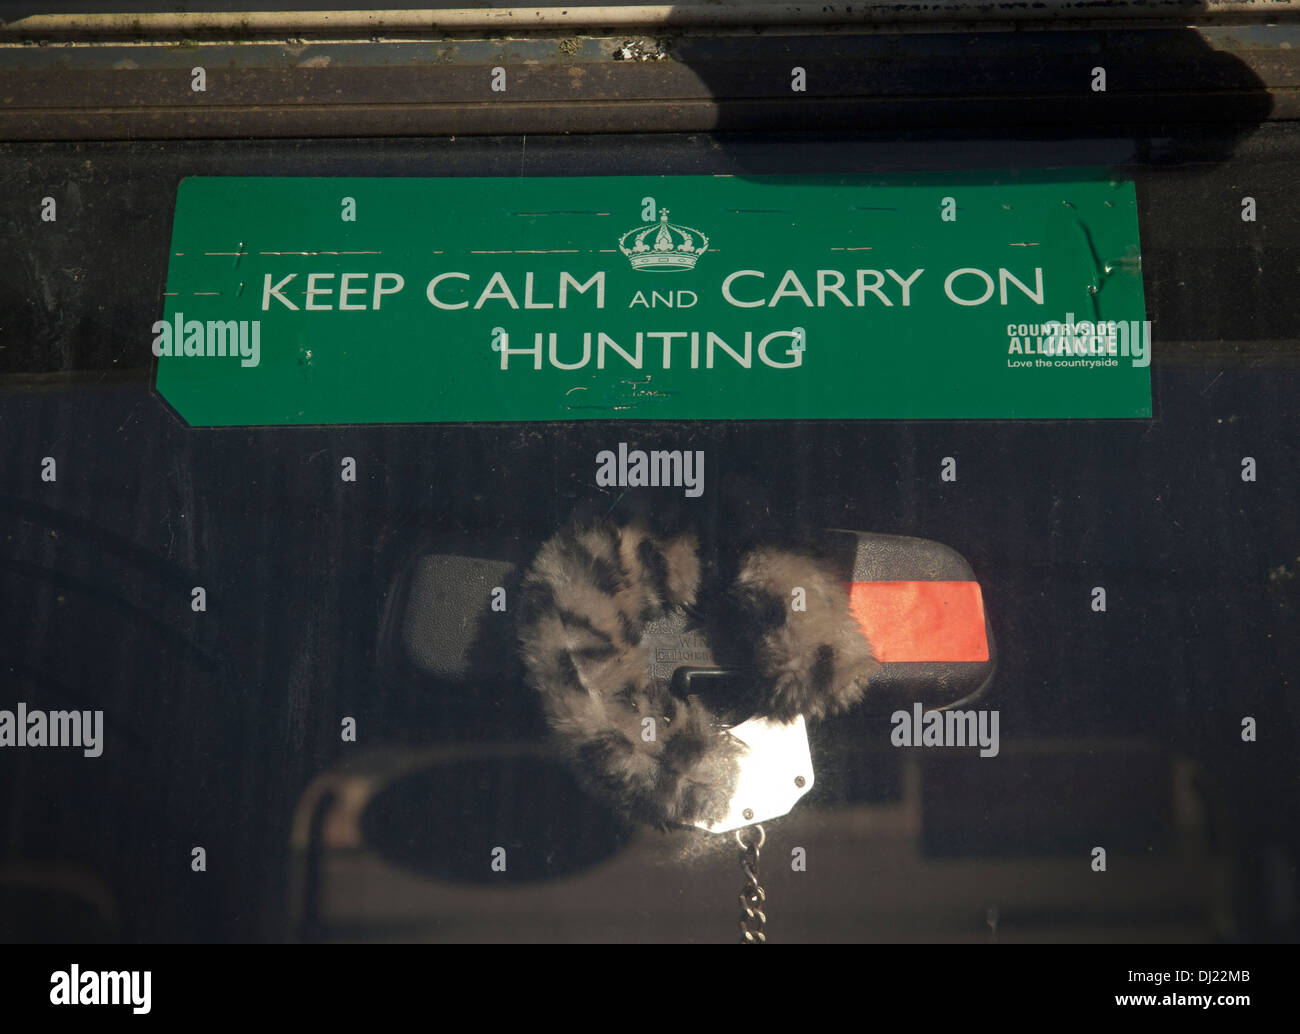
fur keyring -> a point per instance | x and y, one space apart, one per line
585 602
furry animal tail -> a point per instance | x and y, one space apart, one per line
584 604
814 657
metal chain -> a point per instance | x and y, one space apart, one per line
752 918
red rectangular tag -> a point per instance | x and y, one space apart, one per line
921 621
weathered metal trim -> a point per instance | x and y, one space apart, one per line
630 116
857 81
649 18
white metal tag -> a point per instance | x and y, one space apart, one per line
774 774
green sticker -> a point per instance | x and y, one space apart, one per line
328 301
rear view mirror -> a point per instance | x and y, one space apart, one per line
917 602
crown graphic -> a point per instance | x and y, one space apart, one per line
663 246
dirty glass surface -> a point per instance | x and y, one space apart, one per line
225 727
